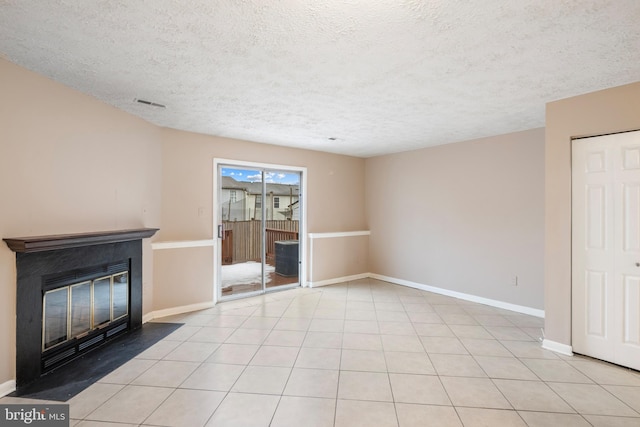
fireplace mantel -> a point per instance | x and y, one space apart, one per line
65 241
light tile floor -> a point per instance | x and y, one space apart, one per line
363 353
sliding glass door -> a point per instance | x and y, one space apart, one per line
259 215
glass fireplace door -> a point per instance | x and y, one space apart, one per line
72 312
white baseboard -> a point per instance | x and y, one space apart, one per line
176 310
338 280
467 297
557 347
7 387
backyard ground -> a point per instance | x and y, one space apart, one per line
246 277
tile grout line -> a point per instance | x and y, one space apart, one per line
362 292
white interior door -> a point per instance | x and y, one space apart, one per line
606 248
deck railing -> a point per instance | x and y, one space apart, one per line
246 241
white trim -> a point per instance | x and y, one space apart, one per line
460 295
557 347
182 244
467 297
176 310
249 164
309 283
234 297
339 280
339 234
7 387
215 186
549 345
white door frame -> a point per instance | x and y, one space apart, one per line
216 216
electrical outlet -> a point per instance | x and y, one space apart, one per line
514 280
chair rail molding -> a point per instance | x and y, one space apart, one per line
330 235
181 244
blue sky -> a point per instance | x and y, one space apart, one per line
252 175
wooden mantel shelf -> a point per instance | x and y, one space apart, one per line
64 241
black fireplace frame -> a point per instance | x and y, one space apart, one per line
40 257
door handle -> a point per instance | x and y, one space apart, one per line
221 232
637 264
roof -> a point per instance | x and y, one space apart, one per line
229 183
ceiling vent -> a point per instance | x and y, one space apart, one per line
149 103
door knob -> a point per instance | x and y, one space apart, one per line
637 264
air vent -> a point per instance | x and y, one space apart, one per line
149 103
117 329
57 358
91 342
117 268
80 275
63 279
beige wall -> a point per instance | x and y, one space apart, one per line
182 277
68 163
608 111
339 257
335 183
465 217
335 197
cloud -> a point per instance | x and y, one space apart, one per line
231 172
268 176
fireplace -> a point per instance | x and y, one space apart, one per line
74 293
83 309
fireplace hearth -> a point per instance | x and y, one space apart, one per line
74 293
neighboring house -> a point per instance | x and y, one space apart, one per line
234 200
242 200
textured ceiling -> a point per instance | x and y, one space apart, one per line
380 76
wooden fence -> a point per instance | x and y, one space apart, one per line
243 239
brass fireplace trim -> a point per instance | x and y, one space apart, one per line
92 326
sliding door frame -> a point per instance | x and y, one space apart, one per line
217 263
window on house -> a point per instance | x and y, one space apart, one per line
276 202
258 201
232 196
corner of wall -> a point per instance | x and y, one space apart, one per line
7 387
